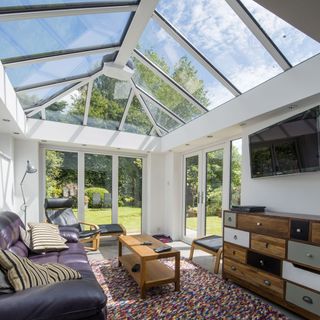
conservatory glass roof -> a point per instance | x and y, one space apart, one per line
145 67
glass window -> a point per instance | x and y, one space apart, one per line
160 117
108 101
137 120
215 29
164 93
130 194
294 44
98 188
157 45
36 97
36 36
235 172
69 109
28 3
62 175
53 70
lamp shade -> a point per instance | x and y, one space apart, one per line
30 168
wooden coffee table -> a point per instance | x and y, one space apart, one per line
152 271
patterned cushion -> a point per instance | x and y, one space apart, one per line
45 237
5 286
25 237
23 273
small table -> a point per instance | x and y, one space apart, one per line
152 272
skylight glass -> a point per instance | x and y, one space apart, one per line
137 120
157 45
53 70
36 36
28 3
164 93
36 97
215 29
108 101
69 109
293 43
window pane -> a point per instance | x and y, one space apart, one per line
36 97
174 60
294 44
215 29
98 188
35 36
137 120
169 97
27 3
235 172
130 194
69 109
108 101
62 175
213 196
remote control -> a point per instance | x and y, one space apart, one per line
162 249
146 243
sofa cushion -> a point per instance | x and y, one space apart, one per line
5 286
71 234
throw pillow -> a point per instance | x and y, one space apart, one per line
25 237
22 273
45 237
5 286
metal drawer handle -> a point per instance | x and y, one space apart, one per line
261 263
259 224
233 268
307 299
298 230
309 255
267 282
229 219
235 237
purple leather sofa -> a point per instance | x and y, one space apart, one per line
75 299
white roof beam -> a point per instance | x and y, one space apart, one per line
88 99
36 12
140 20
168 80
259 33
126 110
145 108
186 44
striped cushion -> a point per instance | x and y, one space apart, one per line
45 237
23 273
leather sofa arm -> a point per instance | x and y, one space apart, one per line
70 233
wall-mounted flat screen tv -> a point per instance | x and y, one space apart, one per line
290 146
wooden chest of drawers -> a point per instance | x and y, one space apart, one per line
277 256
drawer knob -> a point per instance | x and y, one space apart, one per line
309 255
235 237
307 299
259 224
267 282
261 263
298 230
229 219
267 245
233 268
233 252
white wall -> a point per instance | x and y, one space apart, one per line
6 172
27 150
297 193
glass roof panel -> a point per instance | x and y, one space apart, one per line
215 29
108 101
164 93
293 43
36 36
137 120
157 45
160 117
69 109
27 3
46 71
36 97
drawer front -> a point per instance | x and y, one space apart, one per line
303 298
234 252
304 277
239 237
269 245
278 227
299 230
306 254
230 219
258 278
315 232
263 262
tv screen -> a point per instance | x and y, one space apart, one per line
290 146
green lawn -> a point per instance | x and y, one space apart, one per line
213 225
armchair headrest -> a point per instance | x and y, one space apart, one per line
58 203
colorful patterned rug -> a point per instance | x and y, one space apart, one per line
203 295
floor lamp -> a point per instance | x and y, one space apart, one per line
30 169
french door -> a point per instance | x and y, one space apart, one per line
203 193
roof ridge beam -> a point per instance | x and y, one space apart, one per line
243 13
88 99
126 110
186 44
